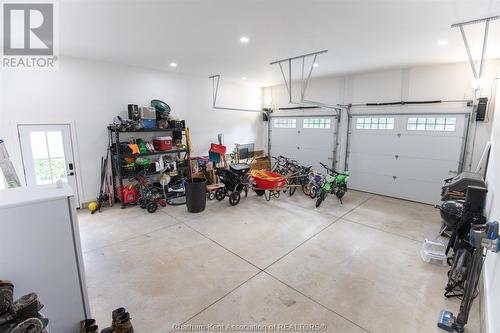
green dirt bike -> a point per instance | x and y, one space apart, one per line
335 183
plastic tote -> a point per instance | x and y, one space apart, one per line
196 196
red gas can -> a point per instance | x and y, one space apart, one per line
129 194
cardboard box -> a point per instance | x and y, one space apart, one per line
147 112
261 163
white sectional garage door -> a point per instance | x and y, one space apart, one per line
405 156
309 140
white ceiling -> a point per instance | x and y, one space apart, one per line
202 36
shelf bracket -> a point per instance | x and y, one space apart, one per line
215 91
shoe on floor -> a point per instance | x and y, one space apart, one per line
114 315
88 326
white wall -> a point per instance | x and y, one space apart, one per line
436 82
491 272
89 94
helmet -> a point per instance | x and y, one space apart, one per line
451 212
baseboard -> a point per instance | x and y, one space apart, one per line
483 304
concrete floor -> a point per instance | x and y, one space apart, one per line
347 268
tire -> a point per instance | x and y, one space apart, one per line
220 194
260 192
234 198
321 197
307 188
152 207
341 191
313 192
211 196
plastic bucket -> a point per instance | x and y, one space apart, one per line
196 197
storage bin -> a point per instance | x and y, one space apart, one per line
433 252
149 123
148 112
162 143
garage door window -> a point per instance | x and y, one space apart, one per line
375 123
285 123
447 124
317 123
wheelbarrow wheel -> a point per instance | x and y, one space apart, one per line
292 190
260 192
234 198
267 195
152 207
220 194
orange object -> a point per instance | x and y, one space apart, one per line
134 148
267 180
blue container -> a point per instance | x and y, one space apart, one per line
149 123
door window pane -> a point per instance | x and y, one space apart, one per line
42 171
39 145
55 143
58 169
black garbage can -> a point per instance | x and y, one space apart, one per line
196 194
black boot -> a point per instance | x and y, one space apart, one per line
115 314
27 307
123 324
31 325
88 326
6 296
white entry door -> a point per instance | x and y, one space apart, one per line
48 155
405 156
309 140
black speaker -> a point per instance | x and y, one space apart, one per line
133 112
475 199
481 108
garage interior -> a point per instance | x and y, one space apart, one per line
223 165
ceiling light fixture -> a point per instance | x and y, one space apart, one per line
442 42
315 65
173 64
244 39
244 78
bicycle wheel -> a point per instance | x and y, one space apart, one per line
473 274
314 192
321 197
307 188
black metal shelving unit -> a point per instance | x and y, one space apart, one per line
116 156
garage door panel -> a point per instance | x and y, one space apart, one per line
372 143
428 170
312 139
417 145
424 146
409 189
